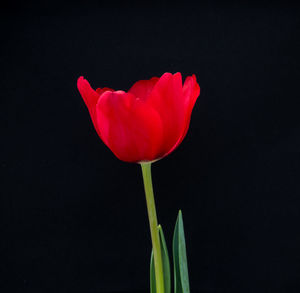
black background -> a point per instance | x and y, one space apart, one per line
73 217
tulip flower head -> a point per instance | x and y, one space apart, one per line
146 123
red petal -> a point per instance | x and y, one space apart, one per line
191 91
129 127
100 91
89 95
141 89
166 97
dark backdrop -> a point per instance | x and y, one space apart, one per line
73 217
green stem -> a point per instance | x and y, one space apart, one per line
146 169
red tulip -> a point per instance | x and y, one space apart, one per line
146 123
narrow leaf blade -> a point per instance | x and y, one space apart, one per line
152 275
166 265
166 261
181 277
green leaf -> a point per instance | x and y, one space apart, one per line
181 276
165 259
166 265
152 275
